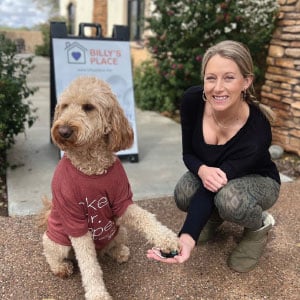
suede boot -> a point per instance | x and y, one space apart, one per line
246 255
209 230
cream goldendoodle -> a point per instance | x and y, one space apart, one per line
91 196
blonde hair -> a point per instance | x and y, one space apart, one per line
240 54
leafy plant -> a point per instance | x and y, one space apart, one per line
44 49
15 111
182 30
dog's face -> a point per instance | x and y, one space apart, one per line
88 113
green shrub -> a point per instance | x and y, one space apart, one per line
151 89
182 30
15 111
44 49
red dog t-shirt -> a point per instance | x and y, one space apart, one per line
81 203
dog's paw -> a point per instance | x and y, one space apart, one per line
64 270
169 244
123 254
119 253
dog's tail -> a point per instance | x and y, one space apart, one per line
42 217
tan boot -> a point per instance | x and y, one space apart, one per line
246 255
209 230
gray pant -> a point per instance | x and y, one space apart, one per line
241 200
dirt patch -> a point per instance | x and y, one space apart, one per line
24 273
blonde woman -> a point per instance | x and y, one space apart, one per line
226 135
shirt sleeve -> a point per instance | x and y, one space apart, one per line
122 194
189 111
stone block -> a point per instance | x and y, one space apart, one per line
296 105
282 92
276 51
284 62
293 52
284 79
266 88
291 29
285 86
270 96
290 37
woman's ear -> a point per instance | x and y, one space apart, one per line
248 81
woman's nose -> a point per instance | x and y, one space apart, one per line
219 84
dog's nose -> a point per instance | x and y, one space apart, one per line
65 131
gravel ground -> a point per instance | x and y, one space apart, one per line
24 273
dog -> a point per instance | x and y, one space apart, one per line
92 204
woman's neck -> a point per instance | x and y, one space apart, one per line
230 118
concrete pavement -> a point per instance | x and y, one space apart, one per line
154 176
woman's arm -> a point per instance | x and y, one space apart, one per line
191 110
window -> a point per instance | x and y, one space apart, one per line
71 18
135 19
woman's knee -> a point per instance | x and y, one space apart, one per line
184 190
230 203
244 199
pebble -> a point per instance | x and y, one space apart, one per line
276 151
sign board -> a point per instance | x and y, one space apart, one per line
107 59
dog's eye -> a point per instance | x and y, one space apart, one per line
88 107
64 106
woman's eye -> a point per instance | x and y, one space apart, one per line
210 78
229 78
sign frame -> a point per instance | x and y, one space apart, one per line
108 59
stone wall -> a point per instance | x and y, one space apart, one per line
281 90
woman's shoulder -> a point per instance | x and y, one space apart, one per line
195 90
258 115
192 96
258 123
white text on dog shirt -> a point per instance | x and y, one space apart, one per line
98 228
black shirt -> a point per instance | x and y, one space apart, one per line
245 153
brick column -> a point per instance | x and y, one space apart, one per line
100 14
281 90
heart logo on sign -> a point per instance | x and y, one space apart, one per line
76 55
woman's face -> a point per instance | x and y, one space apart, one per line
224 82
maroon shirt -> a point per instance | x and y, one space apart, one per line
82 203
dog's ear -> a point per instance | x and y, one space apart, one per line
56 112
120 136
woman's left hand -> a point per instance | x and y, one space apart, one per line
186 243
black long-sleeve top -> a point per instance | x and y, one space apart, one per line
245 153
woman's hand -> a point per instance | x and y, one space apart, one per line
212 178
186 244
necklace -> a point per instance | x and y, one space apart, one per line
219 124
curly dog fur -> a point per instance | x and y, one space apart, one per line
90 126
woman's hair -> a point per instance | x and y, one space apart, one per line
240 54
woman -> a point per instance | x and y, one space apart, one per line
226 136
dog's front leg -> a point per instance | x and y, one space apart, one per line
146 223
91 273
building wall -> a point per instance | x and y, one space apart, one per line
107 13
281 90
83 12
117 14
31 39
